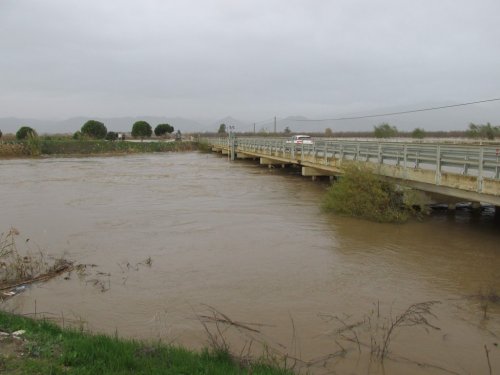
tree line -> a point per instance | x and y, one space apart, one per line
97 130
140 129
487 131
385 130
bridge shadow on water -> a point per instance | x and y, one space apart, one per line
485 219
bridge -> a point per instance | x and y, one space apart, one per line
460 172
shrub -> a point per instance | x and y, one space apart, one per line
204 146
418 133
385 131
360 193
34 145
24 132
94 129
163 129
141 129
482 131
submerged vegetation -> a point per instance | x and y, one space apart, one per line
20 269
204 146
360 193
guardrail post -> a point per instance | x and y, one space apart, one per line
380 157
497 167
405 160
480 170
438 165
232 146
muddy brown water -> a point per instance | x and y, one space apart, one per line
252 243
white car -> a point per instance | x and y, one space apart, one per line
301 140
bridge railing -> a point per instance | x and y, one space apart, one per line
470 160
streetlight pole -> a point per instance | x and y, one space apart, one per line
232 143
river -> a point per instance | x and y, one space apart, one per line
252 243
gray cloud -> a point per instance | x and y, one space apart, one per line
249 59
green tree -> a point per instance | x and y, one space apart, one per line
111 136
418 133
94 129
287 130
385 130
178 136
482 131
24 132
222 129
162 129
328 132
1 134
141 129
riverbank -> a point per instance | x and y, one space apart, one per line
59 147
28 346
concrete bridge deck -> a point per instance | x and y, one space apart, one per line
464 172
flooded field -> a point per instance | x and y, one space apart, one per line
177 236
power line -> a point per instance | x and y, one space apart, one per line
399 113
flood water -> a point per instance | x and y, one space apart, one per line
253 244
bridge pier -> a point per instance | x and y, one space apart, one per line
315 172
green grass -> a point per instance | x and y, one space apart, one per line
48 349
66 146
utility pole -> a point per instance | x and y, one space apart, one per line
274 124
254 127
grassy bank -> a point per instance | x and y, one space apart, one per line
87 147
56 147
44 348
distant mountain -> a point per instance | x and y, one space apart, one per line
445 119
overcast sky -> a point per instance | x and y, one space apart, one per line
248 59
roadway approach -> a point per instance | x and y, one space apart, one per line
456 172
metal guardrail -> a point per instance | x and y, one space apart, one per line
469 160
